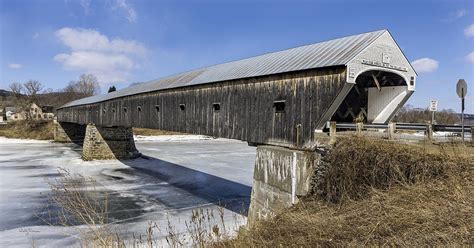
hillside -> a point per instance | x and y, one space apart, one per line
5 93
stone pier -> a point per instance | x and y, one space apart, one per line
102 143
281 177
69 132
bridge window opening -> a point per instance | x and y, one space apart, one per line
139 108
182 107
157 107
113 110
279 106
104 111
125 110
412 81
216 106
367 99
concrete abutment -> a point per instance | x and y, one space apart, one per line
281 177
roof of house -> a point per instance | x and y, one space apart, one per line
47 109
11 109
323 54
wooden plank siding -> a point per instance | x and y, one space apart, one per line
246 107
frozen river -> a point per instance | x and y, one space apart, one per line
176 175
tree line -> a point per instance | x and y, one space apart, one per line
409 114
33 91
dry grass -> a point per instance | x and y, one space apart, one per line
40 130
379 194
356 165
152 132
80 202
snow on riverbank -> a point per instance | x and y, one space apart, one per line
5 140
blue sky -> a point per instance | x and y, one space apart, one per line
126 41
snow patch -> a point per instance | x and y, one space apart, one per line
5 140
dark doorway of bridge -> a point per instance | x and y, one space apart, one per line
371 94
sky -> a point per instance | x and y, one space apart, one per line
128 41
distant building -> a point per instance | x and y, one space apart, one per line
35 113
3 118
9 113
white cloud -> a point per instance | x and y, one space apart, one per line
425 65
111 60
469 31
470 57
15 66
129 11
91 40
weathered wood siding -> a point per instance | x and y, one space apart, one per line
246 107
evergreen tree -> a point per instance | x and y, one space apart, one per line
112 89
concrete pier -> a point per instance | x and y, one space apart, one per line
108 143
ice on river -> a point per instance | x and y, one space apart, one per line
175 176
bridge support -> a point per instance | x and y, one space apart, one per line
108 143
69 132
281 177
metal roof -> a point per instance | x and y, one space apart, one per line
323 54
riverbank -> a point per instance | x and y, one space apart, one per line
38 130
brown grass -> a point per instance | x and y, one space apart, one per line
152 132
40 130
79 202
379 194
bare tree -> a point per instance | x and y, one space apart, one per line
17 89
32 88
88 85
71 87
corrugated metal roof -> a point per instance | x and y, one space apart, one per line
323 54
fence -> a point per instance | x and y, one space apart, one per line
404 131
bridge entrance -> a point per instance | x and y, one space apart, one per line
373 98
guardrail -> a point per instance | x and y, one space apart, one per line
392 130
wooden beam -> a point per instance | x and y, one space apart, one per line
376 82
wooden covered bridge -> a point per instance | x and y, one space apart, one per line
279 99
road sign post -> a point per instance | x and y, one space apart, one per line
433 109
461 90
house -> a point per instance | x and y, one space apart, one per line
35 113
9 113
3 118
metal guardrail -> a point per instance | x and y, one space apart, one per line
407 126
395 131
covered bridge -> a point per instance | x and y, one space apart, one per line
280 98
277 101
